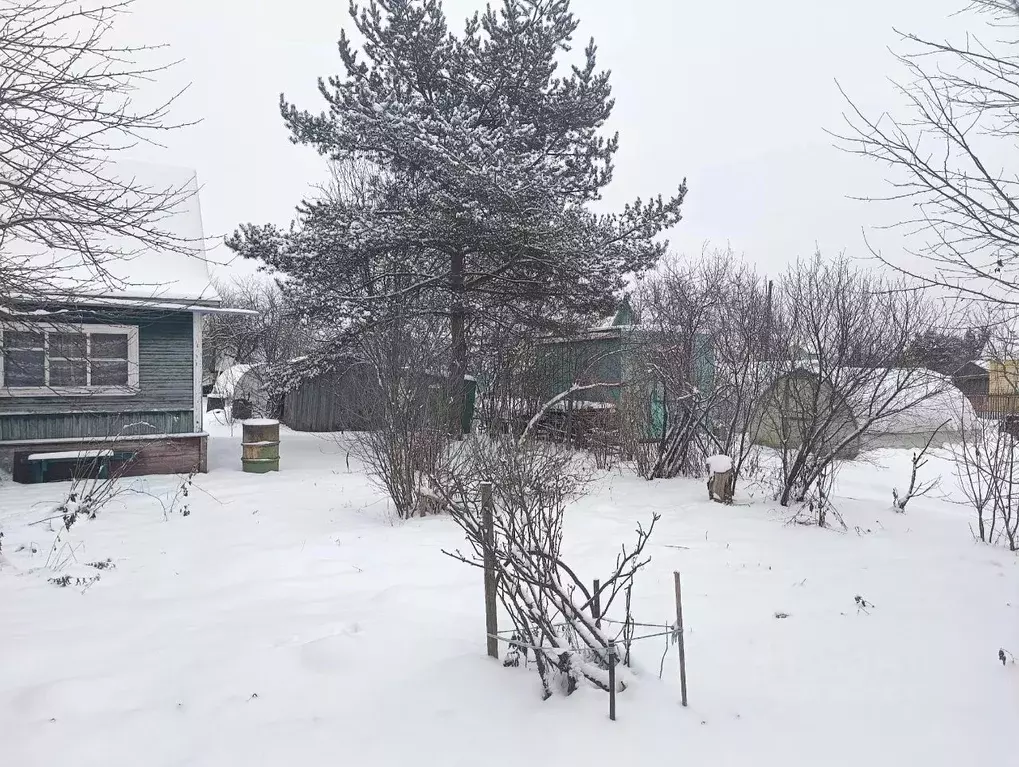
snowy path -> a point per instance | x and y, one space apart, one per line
286 621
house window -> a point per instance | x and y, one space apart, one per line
68 359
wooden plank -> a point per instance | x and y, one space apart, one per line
70 455
196 367
491 604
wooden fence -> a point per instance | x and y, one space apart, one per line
995 405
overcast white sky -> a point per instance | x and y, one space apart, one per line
735 96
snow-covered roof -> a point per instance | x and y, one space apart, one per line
228 381
172 277
902 400
908 401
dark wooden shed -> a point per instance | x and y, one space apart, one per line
972 379
328 401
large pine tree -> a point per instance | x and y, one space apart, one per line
477 161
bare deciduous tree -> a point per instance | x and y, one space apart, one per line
853 330
948 155
270 337
67 110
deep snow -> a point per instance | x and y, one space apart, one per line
288 620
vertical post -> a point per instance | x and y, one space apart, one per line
612 679
197 369
596 603
681 641
491 617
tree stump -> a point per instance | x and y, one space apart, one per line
720 487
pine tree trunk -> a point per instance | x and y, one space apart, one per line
458 351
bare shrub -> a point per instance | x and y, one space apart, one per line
405 407
711 313
985 465
916 488
848 377
678 306
547 603
750 346
86 497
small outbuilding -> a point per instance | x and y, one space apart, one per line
240 390
610 366
990 386
330 400
930 407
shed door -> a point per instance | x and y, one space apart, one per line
657 403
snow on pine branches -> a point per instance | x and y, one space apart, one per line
468 164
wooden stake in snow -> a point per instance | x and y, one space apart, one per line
612 679
491 616
679 637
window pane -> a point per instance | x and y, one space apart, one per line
67 372
68 345
24 368
16 339
107 346
109 373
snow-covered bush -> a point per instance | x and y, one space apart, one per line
550 609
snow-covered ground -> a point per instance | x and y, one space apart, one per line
287 621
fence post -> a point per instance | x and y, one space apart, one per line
612 679
681 640
596 603
491 616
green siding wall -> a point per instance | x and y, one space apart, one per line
585 361
94 424
617 355
165 379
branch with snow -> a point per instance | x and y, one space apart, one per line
555 401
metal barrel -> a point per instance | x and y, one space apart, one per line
260 445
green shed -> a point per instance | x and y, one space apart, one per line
615 363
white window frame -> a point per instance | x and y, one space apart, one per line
131 331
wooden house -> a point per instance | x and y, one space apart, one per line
98 372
